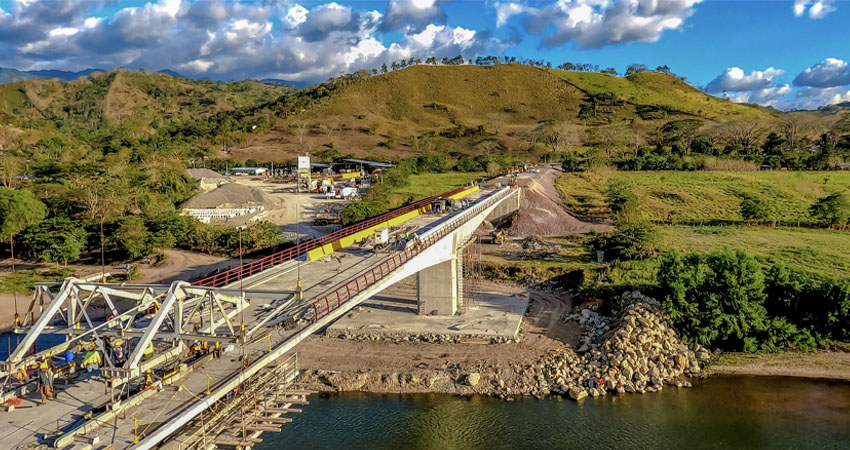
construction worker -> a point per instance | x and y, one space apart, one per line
217 350
148 353
45 380
92 359
150 380
118 355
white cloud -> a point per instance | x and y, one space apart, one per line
234 39
734 79
812 98
597 23
830 72
817 8
295 15
770 96
413 15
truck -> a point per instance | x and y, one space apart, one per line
327 216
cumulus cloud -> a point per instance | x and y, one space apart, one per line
235 39
812 98
817 8
830 72
597 23
758 86
734 79
413 15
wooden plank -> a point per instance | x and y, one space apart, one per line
243 443
282 410
274 419
293 401
272 428
298 392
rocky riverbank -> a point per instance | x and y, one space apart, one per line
633 350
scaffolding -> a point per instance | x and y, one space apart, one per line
469 274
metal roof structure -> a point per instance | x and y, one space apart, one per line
366 162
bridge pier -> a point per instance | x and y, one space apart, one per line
438 288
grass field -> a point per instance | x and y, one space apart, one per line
821 252
697 197
428 184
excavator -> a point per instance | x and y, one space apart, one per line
497 237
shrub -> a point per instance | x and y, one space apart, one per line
755 209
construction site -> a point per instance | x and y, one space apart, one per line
214 362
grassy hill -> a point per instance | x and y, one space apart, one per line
687 197
137 104
652 95
412 110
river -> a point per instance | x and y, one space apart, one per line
723 412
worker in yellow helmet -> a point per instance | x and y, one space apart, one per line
45 379
150 380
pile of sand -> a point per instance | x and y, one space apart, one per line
203 173
230 195
542 213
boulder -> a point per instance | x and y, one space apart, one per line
473 378
577 393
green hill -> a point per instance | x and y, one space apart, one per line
117 102
398 113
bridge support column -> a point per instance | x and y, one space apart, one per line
438 288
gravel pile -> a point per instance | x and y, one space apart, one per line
230 195
542 216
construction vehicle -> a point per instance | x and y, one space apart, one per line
497 237
444 205
385 239
328 215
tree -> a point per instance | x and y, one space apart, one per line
132 238
99 202
57 239
301 128
663 69
634 239
635 69
832 210
569 162
610 137
384 68
755 209
9 170
18 210
715 300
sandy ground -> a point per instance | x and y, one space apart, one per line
821 364
289 207
542 332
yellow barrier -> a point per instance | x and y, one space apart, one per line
352 239
350 175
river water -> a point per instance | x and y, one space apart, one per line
723 412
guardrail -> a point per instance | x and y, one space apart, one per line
266 262
341 295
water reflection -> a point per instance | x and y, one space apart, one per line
723 412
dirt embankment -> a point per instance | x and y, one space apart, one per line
542 212
832 365
635 351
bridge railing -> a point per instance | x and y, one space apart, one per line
333 300
266 262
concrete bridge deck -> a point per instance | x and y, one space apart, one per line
161 414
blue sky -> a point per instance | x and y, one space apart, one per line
788 54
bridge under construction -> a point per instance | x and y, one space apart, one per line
212 363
